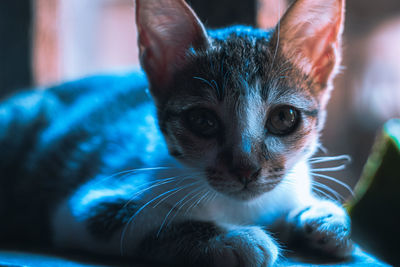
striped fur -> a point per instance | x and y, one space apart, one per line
98 165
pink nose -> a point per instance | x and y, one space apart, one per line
247 175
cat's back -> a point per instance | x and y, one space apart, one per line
53 140
40 119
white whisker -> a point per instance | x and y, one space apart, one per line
168 193
322 148
181 188
334 180
173 208
337 196
212 197
325 194
330 169
328 159
159 182
152 185
138 211
200 189
196 203
131 171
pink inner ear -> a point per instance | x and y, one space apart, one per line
323 51
310 36
167 29
152 57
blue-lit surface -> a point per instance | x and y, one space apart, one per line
16 258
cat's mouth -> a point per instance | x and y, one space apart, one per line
253 192
243 192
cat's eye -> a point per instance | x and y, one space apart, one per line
202 122
282 120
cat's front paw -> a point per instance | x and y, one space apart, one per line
325 227
245 246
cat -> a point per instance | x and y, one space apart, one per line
212 169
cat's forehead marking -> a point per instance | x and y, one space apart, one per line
255 113
240 73
250 62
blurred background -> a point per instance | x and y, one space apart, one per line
44 42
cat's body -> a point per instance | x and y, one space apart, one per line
55 140
198 183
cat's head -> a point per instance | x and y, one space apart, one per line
240 104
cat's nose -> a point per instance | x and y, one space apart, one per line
247 174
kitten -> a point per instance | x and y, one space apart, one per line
205 174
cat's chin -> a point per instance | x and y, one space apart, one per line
245 194
248 192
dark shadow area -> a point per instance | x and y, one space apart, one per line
222 13
15 46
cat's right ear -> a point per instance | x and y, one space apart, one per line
167 30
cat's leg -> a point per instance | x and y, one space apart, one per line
108 227
323 226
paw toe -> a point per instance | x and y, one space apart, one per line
325 228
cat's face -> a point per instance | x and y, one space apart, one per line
241 106
245 124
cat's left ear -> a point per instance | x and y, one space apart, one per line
167 30
309 35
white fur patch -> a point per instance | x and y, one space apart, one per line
294 191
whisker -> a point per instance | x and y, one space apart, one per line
330 169
181 188
168 193
172 208
185 178
315 184
328 159
152 185
196 203
160 182
163 181
131 171
137 212
334 180
200 189
322 148
325 194
330 190
213 196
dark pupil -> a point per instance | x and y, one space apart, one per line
286 118
202 121
283 120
